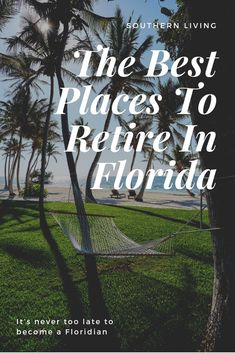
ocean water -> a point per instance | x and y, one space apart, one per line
158 184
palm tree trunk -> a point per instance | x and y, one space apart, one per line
27 176
44 146
12 173
188 191
133 160
69 156
18 164
9 168
89 195
140 195
5 172
35 162
47 163
77 157
219 335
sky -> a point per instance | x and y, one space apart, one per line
149 11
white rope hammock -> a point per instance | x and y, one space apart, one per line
106 239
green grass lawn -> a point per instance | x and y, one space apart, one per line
156 303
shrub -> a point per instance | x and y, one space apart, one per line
33 191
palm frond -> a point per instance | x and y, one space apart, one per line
94 21
7 10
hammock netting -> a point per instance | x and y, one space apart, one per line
106 239
98 235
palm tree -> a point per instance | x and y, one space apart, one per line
5 154
13 147
51 152
166 120
141 124
36 135
219 333
41 48
14 121
122 42
88 139
10 149
182 161
70 15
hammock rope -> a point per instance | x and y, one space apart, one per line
99 236
106 239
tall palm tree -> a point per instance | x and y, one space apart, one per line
219 334
70 16
166 120
14 122
122 42
41 48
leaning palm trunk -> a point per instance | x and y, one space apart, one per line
5 172
27 177
9 169
44 146
35 163
69 156
133 160
47 163
140 195
89 195
188 191
132 163
77 158
18 164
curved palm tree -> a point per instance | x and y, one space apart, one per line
166 120
122 42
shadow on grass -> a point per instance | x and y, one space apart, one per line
205 258
97 305
188 222
28 255
149 314
15 209
154 315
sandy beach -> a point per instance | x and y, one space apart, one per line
151 199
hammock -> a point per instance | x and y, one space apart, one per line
99 236
106 239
